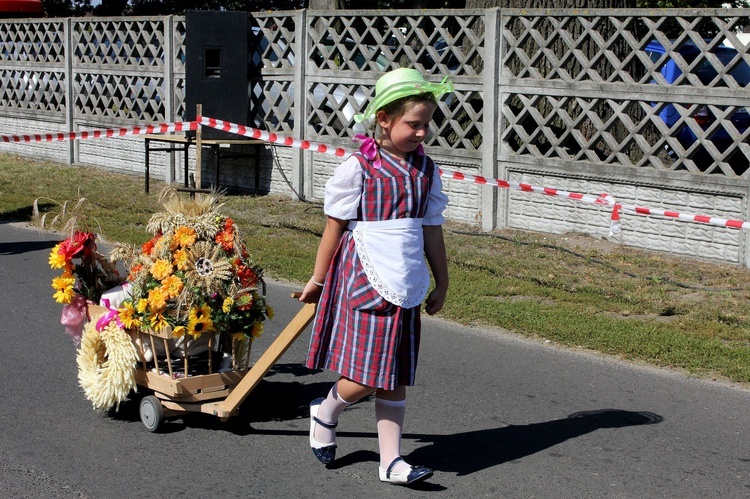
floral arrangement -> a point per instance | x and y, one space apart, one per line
193 278
194 275
86 273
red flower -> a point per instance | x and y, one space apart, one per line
226 239
244 302
79 242
148 246
247 276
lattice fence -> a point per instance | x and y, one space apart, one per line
32 76
119 68
663 92
653 100
344 53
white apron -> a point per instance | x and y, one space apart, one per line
392 255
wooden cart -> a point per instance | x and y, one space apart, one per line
217 393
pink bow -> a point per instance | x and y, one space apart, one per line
73 315
104 320
369 150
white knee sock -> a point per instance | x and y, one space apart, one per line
329 412
390 419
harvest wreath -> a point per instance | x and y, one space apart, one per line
193 282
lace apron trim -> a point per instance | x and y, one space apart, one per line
392 255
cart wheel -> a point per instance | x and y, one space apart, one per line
152 413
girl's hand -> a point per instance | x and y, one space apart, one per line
311 293
435 301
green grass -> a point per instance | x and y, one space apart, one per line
573 290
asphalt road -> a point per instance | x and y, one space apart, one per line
495 415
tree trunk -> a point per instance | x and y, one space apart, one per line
326 4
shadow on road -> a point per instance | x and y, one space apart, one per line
461 453
16 248
469 452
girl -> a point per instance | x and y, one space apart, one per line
384 206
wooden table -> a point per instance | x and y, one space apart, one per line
177 143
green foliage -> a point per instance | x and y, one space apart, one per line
66 8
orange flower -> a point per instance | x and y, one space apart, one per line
134 270
157 299
183 238
180 259
161 269
247 276
172 285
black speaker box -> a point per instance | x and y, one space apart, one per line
216 68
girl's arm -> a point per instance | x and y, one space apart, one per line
434 249
328 243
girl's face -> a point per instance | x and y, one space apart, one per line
402 134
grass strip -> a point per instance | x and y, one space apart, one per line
576 290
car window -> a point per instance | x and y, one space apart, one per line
706 72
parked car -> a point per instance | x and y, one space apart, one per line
21 8
706 73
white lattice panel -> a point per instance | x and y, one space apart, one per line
663 92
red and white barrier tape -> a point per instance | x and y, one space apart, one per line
180 126
603 200
273 138
687 217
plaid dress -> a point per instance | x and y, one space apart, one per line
356 332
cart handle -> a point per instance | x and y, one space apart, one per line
274 352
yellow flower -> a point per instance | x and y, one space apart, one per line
204 311
270 312
180 259
257 330
56 260
161 269
157 299
198 326
127 316
227 305
63 282
142 305
64 296
183 237
158 322
172 286
179 331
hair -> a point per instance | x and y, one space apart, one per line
400 106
